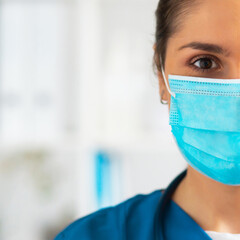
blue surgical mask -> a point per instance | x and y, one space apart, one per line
205 120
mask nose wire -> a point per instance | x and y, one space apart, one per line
165 80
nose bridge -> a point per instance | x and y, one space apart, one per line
237 32
233 66
236 67
233 43
236 41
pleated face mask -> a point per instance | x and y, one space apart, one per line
205 120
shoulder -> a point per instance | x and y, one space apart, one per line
115 222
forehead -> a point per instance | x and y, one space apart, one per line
212 21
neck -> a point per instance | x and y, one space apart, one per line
213 205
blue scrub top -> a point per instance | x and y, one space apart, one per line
133 219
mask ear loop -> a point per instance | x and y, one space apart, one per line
165 80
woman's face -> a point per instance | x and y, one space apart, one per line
207 44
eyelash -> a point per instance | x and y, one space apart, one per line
195 59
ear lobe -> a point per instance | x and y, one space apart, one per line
160 79
154 46
162 86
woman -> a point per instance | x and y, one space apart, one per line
197 54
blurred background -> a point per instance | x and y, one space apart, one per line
81 124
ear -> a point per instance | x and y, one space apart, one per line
163 92
162 86
154 46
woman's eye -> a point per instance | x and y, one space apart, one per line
205 63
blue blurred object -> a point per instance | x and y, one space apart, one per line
103 181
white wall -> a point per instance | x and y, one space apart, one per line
76 78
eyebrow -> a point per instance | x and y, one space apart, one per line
209 47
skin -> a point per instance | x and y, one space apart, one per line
213 205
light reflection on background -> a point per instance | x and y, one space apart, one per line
81 124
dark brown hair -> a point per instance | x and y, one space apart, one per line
169 17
